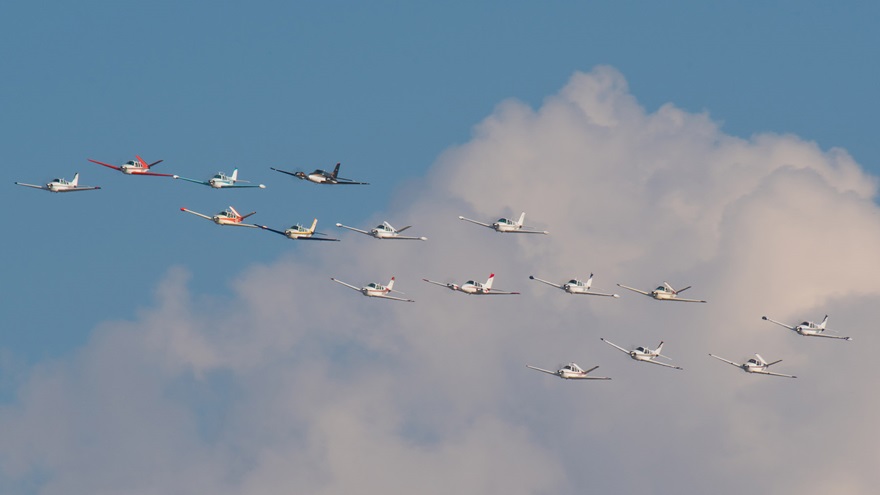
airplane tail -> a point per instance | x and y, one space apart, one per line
488 284
659 348
314 224
234 175
589 282
75 182
336 170
522 219
822 325
391 284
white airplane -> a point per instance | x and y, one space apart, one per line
575 286
385 231
61 185
134 167
376 290
664 293
809 329
754 365
474 288
222 181
300 233
571 371
321 177
229 217
644 354
507 226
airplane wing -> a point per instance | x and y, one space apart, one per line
441 284
272 230
154 174
395 298
594 377
33 186
239 186
542 370
106 164
591 293
496 292
776 374
284 172
832 336
532 277
81 188
345 284
621 349
476 222
196 213
658 363
634 290
678 299
348 182
777 322
251 225
204 183
524 231
726 361
352 228
407 238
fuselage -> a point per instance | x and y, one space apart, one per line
220 181
225 218
382 232
472 287
663 293
575 286
132 167
297 231
375 290
505 225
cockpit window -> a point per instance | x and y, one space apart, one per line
573 282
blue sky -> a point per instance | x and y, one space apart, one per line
383 87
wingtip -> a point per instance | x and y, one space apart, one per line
262 186
616 296
460 217
764 318
531 277
183 209
339 225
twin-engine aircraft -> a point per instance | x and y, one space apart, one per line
61 185
664 293
222 181
571 371
575 286
508 226
376 290
385 231
300 233
134 167
809 329
228 216
474 288
755 365
321 177
645 354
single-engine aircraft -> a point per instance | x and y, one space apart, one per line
376 290
575 286
755 365
134 167
571 371
228 216
507 226
809 329
474 288
664 293
222 181
644 354
321 177
61 185
300 233
385 231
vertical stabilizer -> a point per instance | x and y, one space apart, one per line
522 219
488 284
75 182
824 321
234 176
391 284
314 224
336 170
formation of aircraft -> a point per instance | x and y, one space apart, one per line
507 226
664 292
756 364
385 231
474 288
300 233
575 286
228 216
571 371
222 181
134 167
644 354
60 185
376 290
321 177
809 329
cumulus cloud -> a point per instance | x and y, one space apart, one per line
288 392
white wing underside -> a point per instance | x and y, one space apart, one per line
476 222
621 349
542 370
635 290
354 229
345 284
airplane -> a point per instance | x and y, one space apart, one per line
61 185
575 286
300 233
229 217
376 290
809 329
644 354
507 226
134 167
321 177
571 371
755 366
664 293
474 288
385 231
222 181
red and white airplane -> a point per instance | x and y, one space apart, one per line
300 233
754 365
571 371
507 226
228 216
376 290
61 185
809 329
134 167
474 288
644 354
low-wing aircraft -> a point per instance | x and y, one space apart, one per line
222 181
474 288
755 365
809 329
664 293
571 371
300 233
376 290
644 354
321 177
228 216
61 185
507 226
575 286
134 167
385 231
